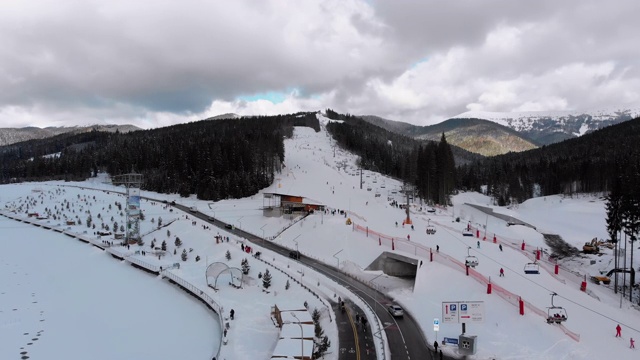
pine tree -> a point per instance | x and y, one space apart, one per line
286 286
315 316
228 255
178 242
184 254
140 242
266 279
245 266
197 258
159 221
164 245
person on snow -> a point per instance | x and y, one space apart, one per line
501 272
500 246
435 346
618 331
437 248
478 244
232 313
632 343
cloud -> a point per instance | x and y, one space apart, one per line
160 62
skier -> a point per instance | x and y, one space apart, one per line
437 248
478 244
501 272
500 246
232 313
632 343
618 331
435 346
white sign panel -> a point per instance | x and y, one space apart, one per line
462 312
436 324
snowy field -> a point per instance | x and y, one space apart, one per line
314 172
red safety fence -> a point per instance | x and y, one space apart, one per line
406 246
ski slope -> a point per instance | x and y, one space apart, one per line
316 169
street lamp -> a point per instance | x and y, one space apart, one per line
301 336
375 287
294 240
262 228
240 222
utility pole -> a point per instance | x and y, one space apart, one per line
360 178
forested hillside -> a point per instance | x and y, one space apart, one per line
591 163
428 165
215 159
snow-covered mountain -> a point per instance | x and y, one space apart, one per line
546 127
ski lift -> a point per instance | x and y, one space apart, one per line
532 268
467 233
470 261
556 314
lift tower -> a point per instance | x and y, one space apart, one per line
132 182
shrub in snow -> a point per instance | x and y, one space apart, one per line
245 266
184 255
164 245
197 258
228 255
178 242
266 279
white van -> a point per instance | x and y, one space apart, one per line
193 209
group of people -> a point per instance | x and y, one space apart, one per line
632 343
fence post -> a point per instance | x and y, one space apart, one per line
521 306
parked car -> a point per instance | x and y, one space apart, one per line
294 255
395 310
193 209
229 226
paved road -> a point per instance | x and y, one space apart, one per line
509 219
404 336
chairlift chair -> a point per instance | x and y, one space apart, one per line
431 230
532 268
470 261
556 314
467 233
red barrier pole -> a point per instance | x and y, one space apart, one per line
489 288
556 269
521 306
467 270
478 233
393 245
367 231
583 285
538 254
494 239
522 244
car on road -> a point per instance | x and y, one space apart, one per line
294 255
211 218
193 209
395 310
229 226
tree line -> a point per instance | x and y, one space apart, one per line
427 165
214 159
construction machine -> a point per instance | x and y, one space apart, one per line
592 247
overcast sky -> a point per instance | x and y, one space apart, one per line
161 62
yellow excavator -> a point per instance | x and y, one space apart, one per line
592 247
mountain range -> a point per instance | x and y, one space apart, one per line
14 135
480 132
495 133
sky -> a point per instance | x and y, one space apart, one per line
314 172
158 63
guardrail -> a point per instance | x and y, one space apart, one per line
202 296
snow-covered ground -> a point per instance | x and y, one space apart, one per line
322 173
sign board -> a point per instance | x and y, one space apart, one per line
133 202
436 324
454 312
453 341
